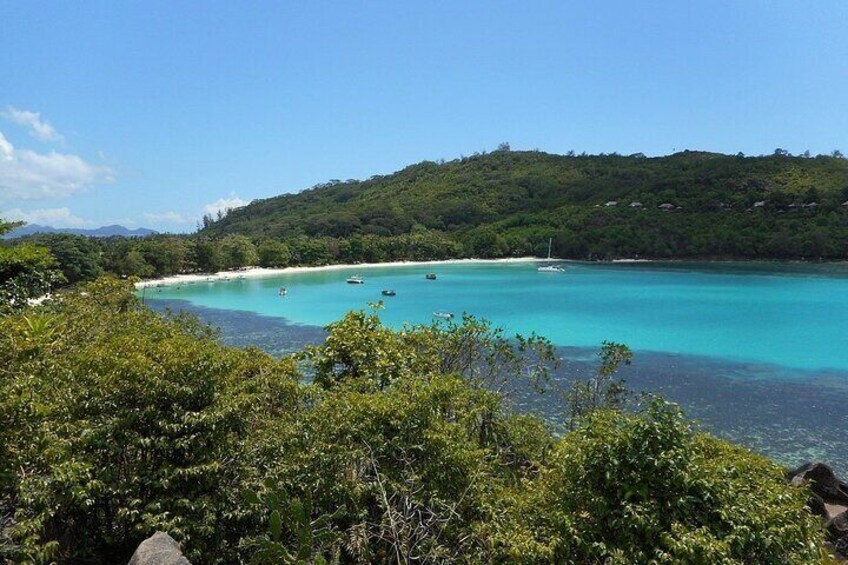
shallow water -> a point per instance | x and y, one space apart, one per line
756 352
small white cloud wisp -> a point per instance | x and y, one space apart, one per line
224 204
169 217
38 128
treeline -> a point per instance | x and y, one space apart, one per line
83 259
116 422
580 233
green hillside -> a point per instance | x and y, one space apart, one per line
691 205
509 202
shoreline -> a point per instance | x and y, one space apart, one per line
259 272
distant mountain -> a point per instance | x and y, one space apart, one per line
104 231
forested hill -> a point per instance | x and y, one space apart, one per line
524 196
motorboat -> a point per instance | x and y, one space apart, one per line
443 315
355 279
388 292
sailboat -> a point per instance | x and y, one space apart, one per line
550 268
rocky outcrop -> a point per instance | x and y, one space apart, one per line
822 481
828 499
159 549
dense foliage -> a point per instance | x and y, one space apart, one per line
690 204
639 489
507 203
379 446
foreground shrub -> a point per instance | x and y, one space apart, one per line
643 488
118 422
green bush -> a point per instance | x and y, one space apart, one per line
26 272
643 488
119 422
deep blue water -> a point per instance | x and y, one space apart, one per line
755 352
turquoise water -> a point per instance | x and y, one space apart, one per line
785 317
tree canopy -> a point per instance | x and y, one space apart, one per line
27 271
690 204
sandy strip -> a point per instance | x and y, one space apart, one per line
255 272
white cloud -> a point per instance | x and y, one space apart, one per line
38 128
223 204
28 175
169 217
6 149
54 217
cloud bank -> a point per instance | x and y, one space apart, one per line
54 217
28 175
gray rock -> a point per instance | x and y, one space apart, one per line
159 549
837 526
822 481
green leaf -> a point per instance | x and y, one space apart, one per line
275 525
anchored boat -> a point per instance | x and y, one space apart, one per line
550 268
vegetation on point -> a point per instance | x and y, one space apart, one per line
27 272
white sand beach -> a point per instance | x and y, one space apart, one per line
255 272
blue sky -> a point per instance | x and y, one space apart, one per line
151 113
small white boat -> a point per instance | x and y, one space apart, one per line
443 315
355 279
550 268
283 291
389 292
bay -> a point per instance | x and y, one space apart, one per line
756 352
